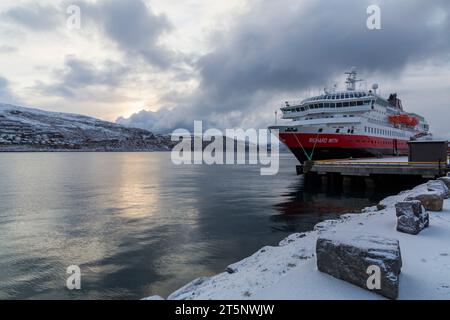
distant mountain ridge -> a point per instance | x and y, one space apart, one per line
27 129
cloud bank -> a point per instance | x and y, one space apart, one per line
281 48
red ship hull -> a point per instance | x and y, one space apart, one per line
341 146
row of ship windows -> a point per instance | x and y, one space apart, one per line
380 111
369 130
329 105
339 96
384 132
326 117
351 131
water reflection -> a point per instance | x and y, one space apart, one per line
138 225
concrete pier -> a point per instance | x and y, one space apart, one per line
370 172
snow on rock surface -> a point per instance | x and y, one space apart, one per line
289 271
154 298
446 180
350 257
439 187
431 201
411 217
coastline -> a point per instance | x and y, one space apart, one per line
288 271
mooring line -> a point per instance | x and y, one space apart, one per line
314 147
304 151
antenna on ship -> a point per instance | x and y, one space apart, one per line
375 87
351 79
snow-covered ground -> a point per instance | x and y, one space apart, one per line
289 270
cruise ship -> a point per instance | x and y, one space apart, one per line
349 124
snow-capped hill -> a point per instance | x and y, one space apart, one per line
26 129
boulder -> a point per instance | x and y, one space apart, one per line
413 207
445 180
351 257
431 201
411 217
439 187
409 225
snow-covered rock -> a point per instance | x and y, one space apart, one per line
439 187
446 180
154 298
352 257
389 202
431 201
406 208
411 218
369 209
188 291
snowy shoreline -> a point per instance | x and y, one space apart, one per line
289 271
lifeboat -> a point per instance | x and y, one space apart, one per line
404 119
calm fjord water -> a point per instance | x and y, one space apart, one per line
137 225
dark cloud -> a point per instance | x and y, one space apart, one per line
79 75
284 47
273 48
133 26
36 17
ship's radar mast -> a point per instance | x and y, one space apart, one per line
352 80
375 87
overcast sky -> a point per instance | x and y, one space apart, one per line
161 64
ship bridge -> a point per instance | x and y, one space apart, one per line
337 96
336 102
